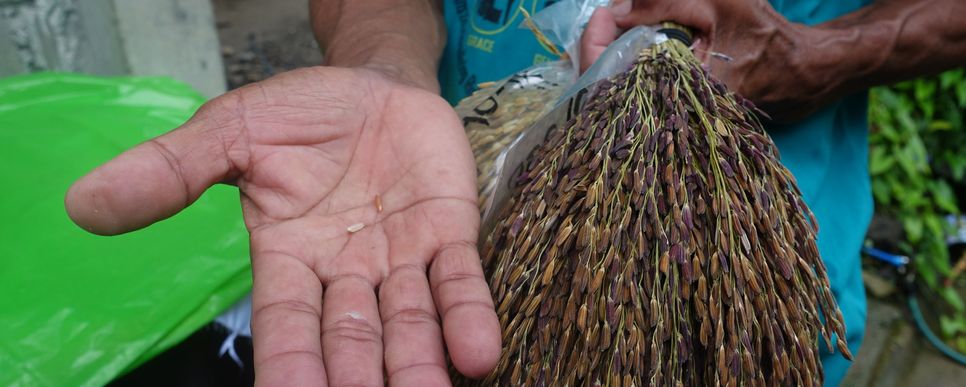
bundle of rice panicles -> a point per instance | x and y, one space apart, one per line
657 239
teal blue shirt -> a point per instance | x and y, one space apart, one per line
826 152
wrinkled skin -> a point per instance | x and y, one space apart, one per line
310 151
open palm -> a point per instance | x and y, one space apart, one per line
357 191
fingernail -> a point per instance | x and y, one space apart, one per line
621 7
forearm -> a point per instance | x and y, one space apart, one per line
888 41
403 38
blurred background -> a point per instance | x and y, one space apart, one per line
211 45
916 161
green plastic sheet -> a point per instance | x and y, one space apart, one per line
80 309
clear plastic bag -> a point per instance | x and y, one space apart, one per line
563 23
497 114
507 119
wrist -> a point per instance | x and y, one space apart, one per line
394 56
383 36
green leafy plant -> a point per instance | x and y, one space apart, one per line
916 158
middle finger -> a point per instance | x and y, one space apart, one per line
351 333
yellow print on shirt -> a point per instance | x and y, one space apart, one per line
480 43
539 58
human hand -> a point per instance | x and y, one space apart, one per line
318 153
747 44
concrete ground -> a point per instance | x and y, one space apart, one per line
894 354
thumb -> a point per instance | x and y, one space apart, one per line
600 32
156 179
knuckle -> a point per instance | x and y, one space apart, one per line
354 330
403 276
458 278
472 304
455 262
458 256
287 356
288 307
413 315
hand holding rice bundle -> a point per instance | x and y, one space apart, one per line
656 239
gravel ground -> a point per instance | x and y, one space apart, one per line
261 38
